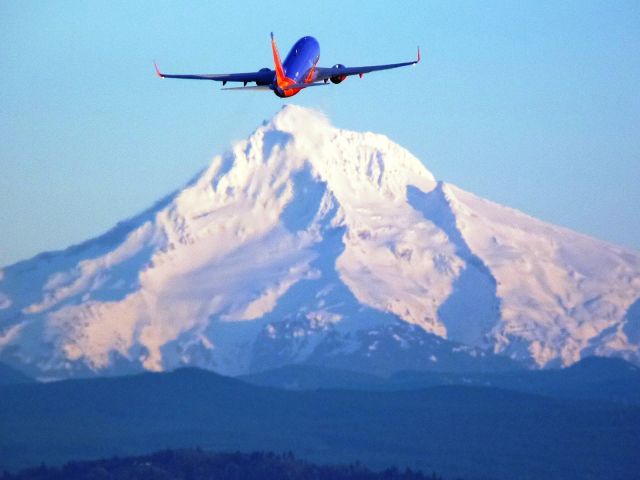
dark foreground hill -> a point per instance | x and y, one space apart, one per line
454 430
200 465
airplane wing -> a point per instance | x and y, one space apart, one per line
325 73
264 76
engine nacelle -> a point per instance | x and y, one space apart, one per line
338 78
265 69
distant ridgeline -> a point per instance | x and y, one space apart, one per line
195 464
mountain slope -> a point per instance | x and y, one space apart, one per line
310 244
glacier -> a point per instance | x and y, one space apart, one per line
306 243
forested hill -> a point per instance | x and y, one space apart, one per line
455 430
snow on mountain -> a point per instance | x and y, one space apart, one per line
307 243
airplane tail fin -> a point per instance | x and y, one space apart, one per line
280 77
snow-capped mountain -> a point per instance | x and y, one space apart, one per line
307 243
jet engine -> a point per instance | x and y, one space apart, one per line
338 78
265 69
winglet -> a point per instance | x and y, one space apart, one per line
158 72
418 59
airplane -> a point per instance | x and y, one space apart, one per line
298 71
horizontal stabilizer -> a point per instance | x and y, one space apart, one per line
258 87
304 85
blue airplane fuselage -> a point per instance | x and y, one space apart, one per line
300 63
302 58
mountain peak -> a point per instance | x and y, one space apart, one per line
310 243
297 119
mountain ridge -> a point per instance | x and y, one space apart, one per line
11 376
592 378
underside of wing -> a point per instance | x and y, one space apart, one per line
342 71
262 77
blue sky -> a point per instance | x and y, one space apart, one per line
531 104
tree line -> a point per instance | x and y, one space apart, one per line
196 464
